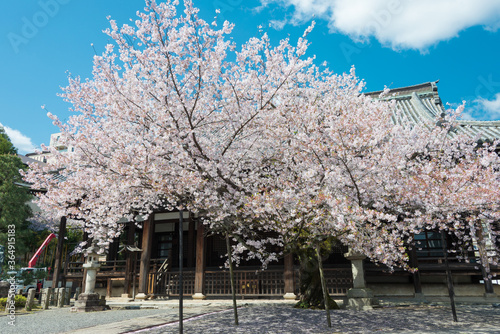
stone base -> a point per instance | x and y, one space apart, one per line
124 298
290 296
360 299
420 297
90 302
199 296
141 295
359 293
490 295
359 304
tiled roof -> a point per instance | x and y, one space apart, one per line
421 104
27 160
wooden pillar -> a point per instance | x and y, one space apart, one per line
129 265
109 287
288 277
191 241
147 238
60 242
489 290
65 267
417 284
199 278
113 250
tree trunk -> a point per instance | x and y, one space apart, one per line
483 255
311 292
326 296
449 280
231 274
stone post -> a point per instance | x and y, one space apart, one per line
60 297
67 295
46 297
78 290
359 297
10 300
29 299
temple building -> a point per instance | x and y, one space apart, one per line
145 261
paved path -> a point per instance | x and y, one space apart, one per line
260 317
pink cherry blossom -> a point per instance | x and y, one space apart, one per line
256 138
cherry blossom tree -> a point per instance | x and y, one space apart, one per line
355 176
258 139
458 188
167 121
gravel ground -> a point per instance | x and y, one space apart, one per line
60 320
283 319
264 318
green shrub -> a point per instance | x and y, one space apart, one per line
19 301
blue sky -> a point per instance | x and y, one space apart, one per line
392 43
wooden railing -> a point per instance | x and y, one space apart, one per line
115 267
74 268
338 281
167 284
434 266
155 264
249 283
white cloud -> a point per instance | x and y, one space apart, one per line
277 24
467 117
488 108
400 24
20 141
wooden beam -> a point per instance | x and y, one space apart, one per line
59 250
109 287
199 278
288 275
147 238
191 241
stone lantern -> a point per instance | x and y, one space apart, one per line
92 265
359 296
90 300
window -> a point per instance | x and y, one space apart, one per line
164 246
428 244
